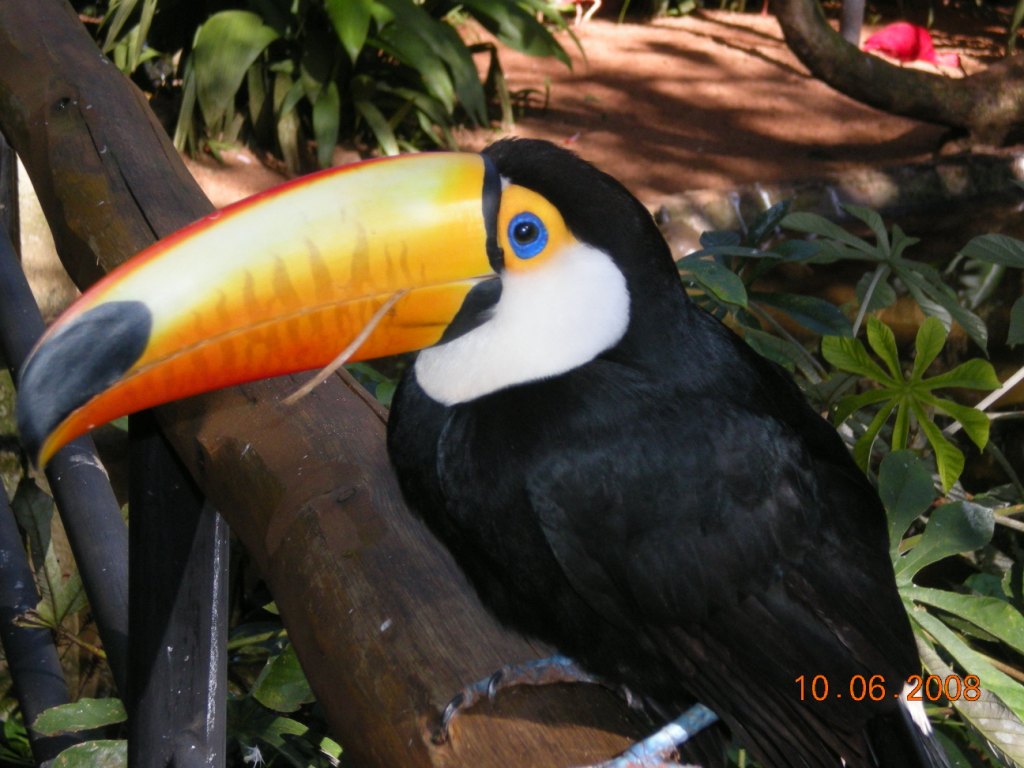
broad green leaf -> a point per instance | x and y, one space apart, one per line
974 422
783 351
952 528
874 222
1009 691
326 122
862 448
378 125
905 487
797 250
1001 729
1016 333
720 238
973 374
931 337
60 586
900 242
997 617
996 249
849 355
225 47
853 403
516 28
81 715
883 344
820 316
106 753
939 300
723 283
767 222
814 224
948 458
281 685
351 22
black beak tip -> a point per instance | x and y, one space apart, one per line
75 364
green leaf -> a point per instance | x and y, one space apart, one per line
1016 333
853 403
351 22
61 593
281 685
767 222
874 222
106 753
722 283
81 715
814 224
862 448
931 337
326 122
850 355
1010 692
973 374
1002 730
516 28
883 343
996 249
818 315
225 47
948 458
952 528
974 422
939 300
906 489
997 617
379 125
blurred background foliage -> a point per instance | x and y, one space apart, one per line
295 77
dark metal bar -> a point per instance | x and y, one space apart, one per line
31 655
179 582
88 509
10 213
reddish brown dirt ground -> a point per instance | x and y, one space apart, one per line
712 100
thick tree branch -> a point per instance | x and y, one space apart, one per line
383 623
987 105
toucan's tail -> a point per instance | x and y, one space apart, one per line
904 739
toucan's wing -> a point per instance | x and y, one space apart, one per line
713 529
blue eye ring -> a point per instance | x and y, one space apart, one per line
527 235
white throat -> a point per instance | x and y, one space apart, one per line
549 320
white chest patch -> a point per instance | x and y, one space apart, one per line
549 320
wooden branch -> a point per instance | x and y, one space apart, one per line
987 105
383 622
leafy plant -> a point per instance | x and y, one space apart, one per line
911 396
954 626
393 71
875 290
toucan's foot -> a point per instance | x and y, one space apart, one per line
555 669
659 750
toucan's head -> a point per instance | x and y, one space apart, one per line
520 263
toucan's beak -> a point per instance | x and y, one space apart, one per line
277 283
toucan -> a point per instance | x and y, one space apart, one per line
617 473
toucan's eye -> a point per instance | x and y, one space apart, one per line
527 235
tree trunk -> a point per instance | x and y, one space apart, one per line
987 105
384 624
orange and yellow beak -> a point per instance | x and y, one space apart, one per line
278 283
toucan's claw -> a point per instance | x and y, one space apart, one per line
554 669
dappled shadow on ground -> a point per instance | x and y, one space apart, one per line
709 101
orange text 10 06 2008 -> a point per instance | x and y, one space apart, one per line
873 688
